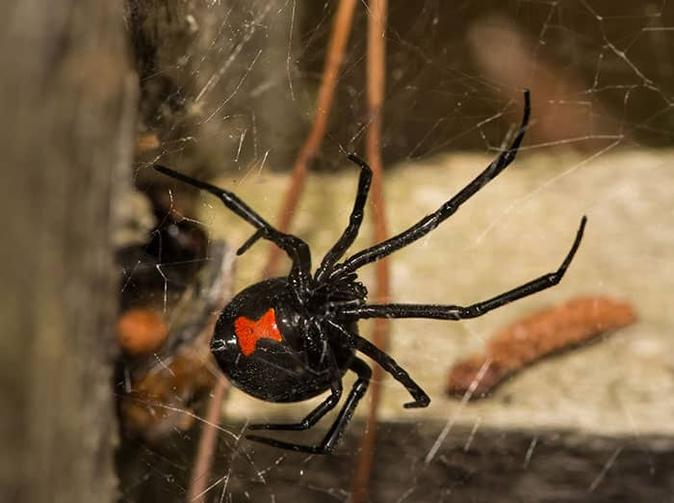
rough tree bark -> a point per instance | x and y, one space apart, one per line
68 104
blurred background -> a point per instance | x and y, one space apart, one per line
115 275
597 71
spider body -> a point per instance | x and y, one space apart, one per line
293 338
267 345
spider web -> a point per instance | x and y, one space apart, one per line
233 97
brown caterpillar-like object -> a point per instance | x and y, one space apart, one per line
539 335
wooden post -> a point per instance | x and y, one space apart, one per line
67 102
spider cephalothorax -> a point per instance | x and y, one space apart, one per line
292 338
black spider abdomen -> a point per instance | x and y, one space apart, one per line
260 344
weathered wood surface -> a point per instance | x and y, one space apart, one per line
489 465
68 105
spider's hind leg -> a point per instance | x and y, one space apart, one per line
333 435
421 398
312 418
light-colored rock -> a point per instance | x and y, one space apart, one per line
518 227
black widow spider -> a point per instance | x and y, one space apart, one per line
292 338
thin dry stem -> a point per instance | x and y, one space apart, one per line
376 74
206 448
333 63
326 93
203 459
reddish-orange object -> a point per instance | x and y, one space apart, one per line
536 336
141 331
248 331
156 405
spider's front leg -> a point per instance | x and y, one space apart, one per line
430 222
351 232
296 248
449 312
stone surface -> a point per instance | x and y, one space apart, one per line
518 227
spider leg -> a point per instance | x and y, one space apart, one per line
317 350
430 222
333 435
297 249
349 235
312 418
421 399
448 312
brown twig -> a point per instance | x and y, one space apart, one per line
537 336
333 63
326 93
205 450
203 459
376 73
